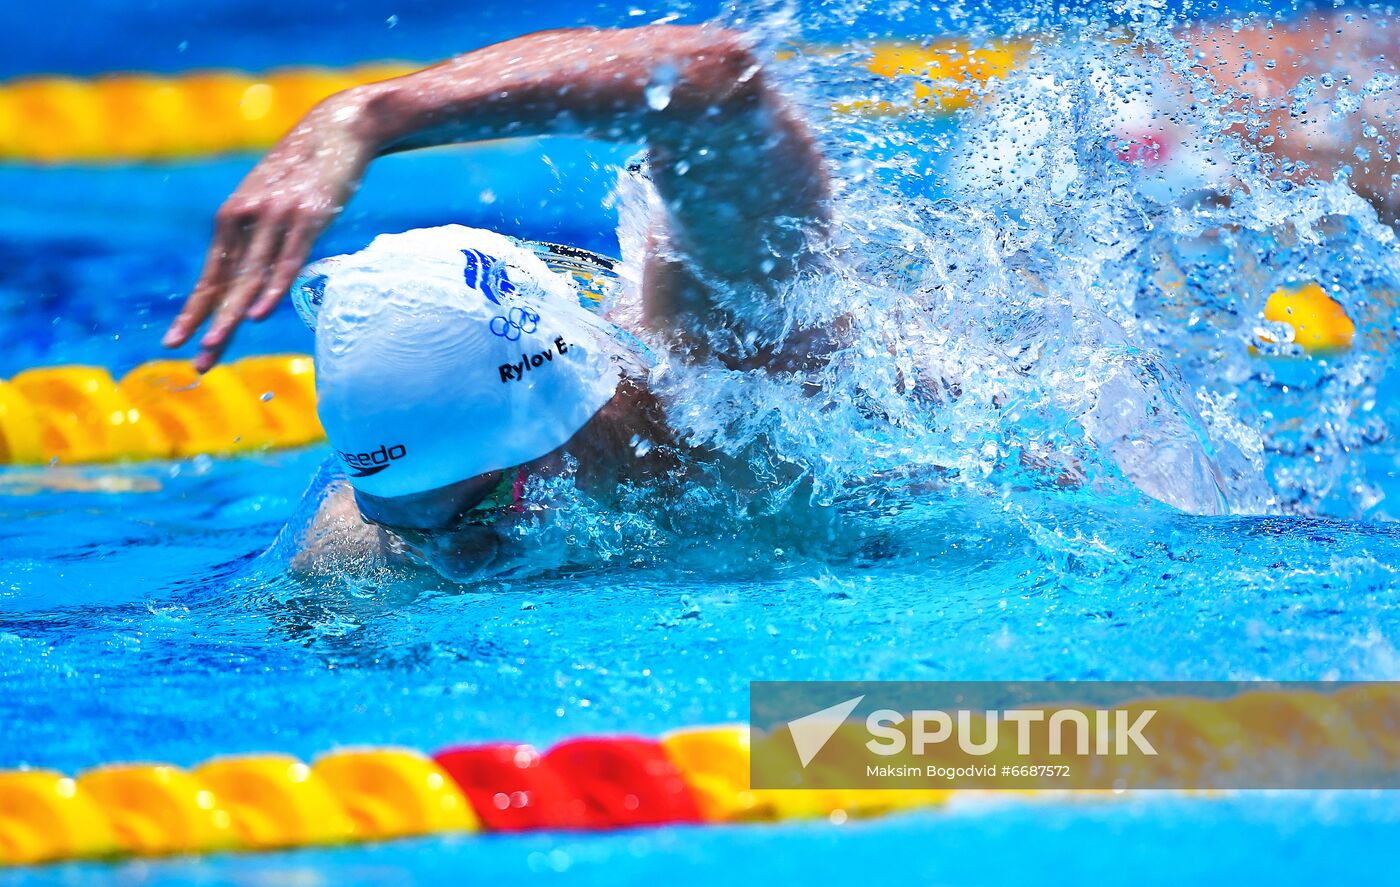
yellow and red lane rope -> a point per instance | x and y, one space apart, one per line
141 117
692 776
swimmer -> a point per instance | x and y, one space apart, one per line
453 366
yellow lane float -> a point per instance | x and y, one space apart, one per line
45 816
1320 324
946 75
276 801
394 793
141 117
161 409
156 809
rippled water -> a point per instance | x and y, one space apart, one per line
1048 342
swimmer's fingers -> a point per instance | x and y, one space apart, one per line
224 252
295 247
253 269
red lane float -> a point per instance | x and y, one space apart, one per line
513 789
624 782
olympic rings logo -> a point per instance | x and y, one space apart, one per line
517 321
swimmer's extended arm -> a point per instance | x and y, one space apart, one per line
742 180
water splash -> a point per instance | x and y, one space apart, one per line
1067 288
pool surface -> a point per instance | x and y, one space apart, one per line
147 612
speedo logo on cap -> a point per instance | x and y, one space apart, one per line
373 462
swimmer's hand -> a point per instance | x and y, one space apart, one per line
265 230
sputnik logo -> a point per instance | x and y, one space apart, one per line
810 733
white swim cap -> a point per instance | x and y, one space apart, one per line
444 353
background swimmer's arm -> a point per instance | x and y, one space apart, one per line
1263 66
742 180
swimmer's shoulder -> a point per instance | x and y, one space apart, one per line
337 538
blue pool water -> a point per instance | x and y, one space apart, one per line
145 613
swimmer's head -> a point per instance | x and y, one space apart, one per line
446 354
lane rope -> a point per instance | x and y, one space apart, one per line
687 777
164 409
160 410
141 117
144 117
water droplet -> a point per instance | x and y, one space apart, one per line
658 91
658 96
